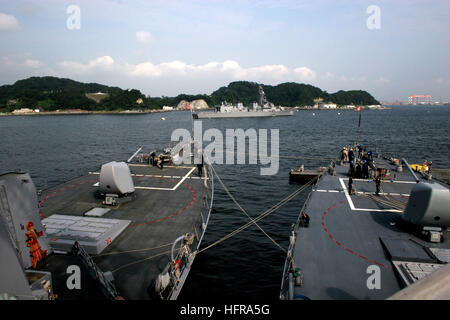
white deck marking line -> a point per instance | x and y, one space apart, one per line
383 193
357 192
167 177
154 188
149 165
184 178
377 210
384 181
352 206
349 199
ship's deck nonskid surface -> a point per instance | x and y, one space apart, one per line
343 237
167 207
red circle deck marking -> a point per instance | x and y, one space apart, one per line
341 245
60 190
172 215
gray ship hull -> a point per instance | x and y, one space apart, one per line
125 247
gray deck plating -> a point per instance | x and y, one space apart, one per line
343 238
162 211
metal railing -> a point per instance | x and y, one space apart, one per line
284 289
186 258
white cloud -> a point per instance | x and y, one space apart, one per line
6 61
8 22
143 36
305 74
329 75
383 80
228 68
32 63
102 63
146 69
277 71
173 75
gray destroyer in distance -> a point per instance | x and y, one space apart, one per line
260 109
129 231
385 237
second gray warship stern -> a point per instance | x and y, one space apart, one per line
357 246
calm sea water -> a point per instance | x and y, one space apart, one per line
54 149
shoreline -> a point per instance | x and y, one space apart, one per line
341 109
84 112
136 112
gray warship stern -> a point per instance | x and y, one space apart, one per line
361 245
127 231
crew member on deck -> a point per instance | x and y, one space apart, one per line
350 185
351 155
153 160
365 169
200 168
36 253
378 184
161 161
352 169
358 170
304 220
344 154
351 158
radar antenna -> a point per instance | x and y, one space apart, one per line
262 97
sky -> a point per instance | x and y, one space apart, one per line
390 48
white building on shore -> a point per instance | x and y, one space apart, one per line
22 111
329 106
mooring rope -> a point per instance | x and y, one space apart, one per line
134 250
141 260
262 215
243 210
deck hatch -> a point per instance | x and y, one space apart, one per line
94 234
96 212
